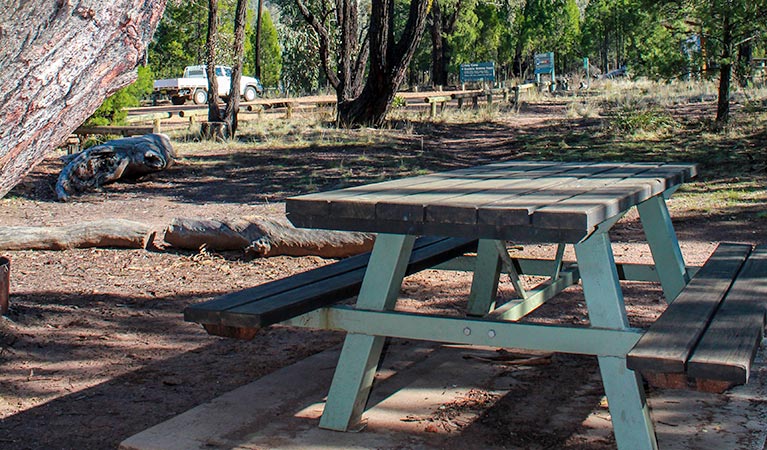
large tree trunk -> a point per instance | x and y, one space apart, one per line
214 111
442 25
438 64
389 60
725 74
233 102
59 61
257 47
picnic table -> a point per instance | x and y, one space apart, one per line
710 331
518 201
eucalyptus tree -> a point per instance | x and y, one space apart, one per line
543 26
443 19
719 28
364 55
727 24
180 38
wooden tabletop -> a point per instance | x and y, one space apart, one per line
522 201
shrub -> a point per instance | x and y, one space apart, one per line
112 111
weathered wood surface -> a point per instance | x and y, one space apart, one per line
128 158
101 233
670 341
729 345
544 199
5 283
233 315
60 60
259 236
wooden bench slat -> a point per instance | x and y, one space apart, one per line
667 345
728 347
210 310
283 299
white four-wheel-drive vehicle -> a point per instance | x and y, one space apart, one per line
194 85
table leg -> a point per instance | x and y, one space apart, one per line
664 246
484 285
357 364
604 299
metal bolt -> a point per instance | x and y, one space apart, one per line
467 331
491 334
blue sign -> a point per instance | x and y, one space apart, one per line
484 71
544 63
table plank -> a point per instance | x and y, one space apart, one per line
319 203
463 208
413 207
366 206
588 209
518 210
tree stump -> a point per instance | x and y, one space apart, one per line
121 158
215 131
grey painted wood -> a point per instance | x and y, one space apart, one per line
412 206
727 349
283 299
519 210
590 208
520 234
669 342
493 200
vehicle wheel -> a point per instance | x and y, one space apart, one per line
249 94
200 97
178 100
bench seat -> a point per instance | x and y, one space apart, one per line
708 336
241 314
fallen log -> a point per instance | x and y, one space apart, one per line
112 160
260 237
101 233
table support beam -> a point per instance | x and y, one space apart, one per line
516 309
487 273
664 246
456 330
357 364
604 299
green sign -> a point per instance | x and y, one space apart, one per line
544 63
484 71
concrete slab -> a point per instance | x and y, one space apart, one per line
424 395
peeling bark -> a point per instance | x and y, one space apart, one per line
101 233
121 158
261 237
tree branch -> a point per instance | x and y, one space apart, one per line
324 39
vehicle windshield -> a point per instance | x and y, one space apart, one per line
195 73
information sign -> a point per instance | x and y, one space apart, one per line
544 63
483 71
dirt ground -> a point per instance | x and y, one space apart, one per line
94 348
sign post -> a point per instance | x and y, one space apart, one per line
544 64
586 68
